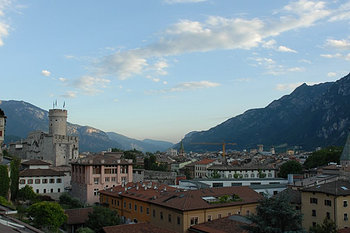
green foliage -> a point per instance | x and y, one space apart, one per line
236 176
215 175
4 181
116 150
328 226
47 215
290 167
323 157
102 217
261 174
5 202
14 177
26 193
68 202
84 230
275 215
150 163
188 174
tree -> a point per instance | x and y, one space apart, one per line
275 215
84 230
290 167
14 177
102 217
323 157
328 226
26 193
4 181
47 215
215 175
68 202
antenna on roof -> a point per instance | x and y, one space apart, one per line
64 104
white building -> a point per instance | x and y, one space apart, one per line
200 168
41 178
55 146
229 172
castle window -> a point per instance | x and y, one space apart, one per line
346 217
169 217
52 181
313 213
345 203
328 202
161 215
313 200
178 220
328 215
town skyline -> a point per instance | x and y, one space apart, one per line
161 69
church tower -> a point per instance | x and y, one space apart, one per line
345 156
2 127
58 122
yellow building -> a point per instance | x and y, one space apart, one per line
330 200
175 209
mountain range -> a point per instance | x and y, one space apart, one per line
23 117
309 117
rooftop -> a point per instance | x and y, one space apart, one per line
229 168
204 161
40 172
231 224
101 160
35 162
337 188
136 228
78 216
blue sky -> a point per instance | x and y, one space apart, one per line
162 68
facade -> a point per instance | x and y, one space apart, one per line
41 178
56 146
176 209
98 172
226 171
200 168
329 200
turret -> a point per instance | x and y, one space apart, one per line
58 122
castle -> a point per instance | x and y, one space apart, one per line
55 147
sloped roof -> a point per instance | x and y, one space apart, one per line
101 160
40 172
231 224
136 228
346 151
35 162
337 188
78 216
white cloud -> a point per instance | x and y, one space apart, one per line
332 74
165 82
69 94
186 86
91 85
337 55
160 67
287 86
273 68
183 1
4 27
214 33
46 73
338 44
115 100
342 13
305 61
62 79
286 49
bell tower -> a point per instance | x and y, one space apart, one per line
58 122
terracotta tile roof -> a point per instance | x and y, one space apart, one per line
136 228
204 161
344 230
40 172
229 168
78 216
193 199
232 224
35 162
140 191
338 188
101 160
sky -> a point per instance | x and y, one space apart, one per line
160 69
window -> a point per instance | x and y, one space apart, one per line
95 192
96 180
52 181
37 181
135 207
314 213
147 211
194 221
113 179
59 190
129 205
44 190
161 215
51 191
178 220
96 170
118 203
37 191
44 181
141 209
328 202
169 217
252 175
21 181
313 224
328 215
346 217
345 203
107 179
154 213
313 200
219 215
124 204
209 218
30 181
248 212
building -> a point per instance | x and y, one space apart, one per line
227 171
329 200
136 228
77 218
56 147
176 209
2 126
200 168
345 156
41 178
98 172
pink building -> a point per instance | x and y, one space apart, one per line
98 172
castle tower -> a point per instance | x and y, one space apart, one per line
58 122
345 156
260 148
